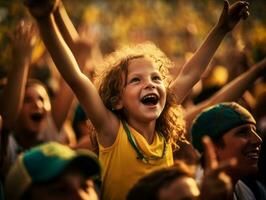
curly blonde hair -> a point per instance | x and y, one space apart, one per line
110 85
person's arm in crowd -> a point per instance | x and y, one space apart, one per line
192 71
64 96
230 92
12 96
105 122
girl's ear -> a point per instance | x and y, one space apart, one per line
117 103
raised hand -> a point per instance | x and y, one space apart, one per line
216 183
231 15
22 40
41 8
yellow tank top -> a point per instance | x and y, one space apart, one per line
122 169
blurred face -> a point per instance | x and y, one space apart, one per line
183 188
144 95
34 110
244 144
70 186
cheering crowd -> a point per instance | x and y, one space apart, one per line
142 128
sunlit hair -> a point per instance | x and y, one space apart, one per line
111 83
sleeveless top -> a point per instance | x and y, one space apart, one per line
122 169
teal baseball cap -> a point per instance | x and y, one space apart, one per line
46 162
215 121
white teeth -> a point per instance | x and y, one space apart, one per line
150 99
149 96
253 155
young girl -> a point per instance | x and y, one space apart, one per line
132 112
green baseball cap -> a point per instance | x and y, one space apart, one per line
215 121
44 163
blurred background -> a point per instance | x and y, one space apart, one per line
176 26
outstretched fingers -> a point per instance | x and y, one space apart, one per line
244 13
224 166
239 9
215 176
210 159
23 39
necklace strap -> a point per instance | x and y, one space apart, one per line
132 141
140 154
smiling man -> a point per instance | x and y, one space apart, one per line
233 131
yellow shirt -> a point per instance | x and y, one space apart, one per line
122 169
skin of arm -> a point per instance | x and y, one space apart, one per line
104 120
230 92
12 96
64 96
192 71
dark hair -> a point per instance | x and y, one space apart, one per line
149 186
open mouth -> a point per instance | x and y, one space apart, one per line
253 154
37 117
150 99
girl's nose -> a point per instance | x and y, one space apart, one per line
149 84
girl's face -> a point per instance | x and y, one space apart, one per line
144 94
34 109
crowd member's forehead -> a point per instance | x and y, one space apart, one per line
245 128
181 188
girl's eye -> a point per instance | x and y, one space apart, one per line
134 80
157 78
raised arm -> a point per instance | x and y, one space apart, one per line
65 25
191 72
230 92
13 94
104 121
64 96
